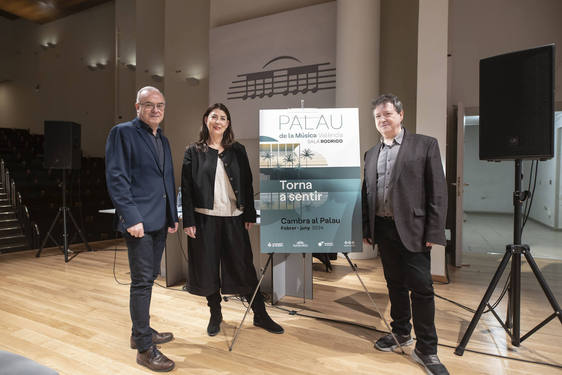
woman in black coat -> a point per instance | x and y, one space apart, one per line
218 210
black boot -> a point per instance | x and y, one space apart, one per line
214 303
261 318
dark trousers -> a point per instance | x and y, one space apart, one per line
405 272
145 254
258 306
220 257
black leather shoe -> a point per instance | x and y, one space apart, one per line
157 338
264 321
155 360
214 326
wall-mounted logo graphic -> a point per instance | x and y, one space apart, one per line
283 81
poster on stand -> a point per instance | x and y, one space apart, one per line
310 180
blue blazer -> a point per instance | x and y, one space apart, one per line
139 189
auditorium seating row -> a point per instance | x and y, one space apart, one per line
41 188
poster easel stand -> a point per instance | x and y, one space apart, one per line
263 270
304 278
354 268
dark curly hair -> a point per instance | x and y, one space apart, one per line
388 98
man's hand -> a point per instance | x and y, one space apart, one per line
429 244
248 225
136 230
190 231
174 229
368 241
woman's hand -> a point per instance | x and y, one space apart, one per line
190 231
248 225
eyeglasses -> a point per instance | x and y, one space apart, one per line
150 106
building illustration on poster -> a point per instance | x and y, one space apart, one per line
310 180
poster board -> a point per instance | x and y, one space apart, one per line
310 181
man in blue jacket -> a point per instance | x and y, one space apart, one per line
140 181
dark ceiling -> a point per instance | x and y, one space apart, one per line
43 11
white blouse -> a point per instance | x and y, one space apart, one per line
224 200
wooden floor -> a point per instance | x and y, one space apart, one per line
74 318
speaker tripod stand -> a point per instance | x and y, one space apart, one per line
513 251
65 211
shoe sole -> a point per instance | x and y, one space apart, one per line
419 361
162 370
391 348
155 343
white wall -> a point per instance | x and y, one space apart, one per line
224 12
358 57
491 184
7 65
483 28
246 46
558 134
150 43
186 54
8 47
55 84
546 200
20 105
125 85
431 103
69 91
399 55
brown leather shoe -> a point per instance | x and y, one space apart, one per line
157 338
155 360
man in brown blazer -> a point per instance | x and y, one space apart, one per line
404 200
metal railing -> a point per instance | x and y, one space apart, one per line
7 184
30 228
36 236
3 171
12 195
25 221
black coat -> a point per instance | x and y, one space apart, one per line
198 180
418 191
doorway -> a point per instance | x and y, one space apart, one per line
487 207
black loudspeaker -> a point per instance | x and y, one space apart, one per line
517 105
62 145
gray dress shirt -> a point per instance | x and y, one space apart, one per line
385 165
